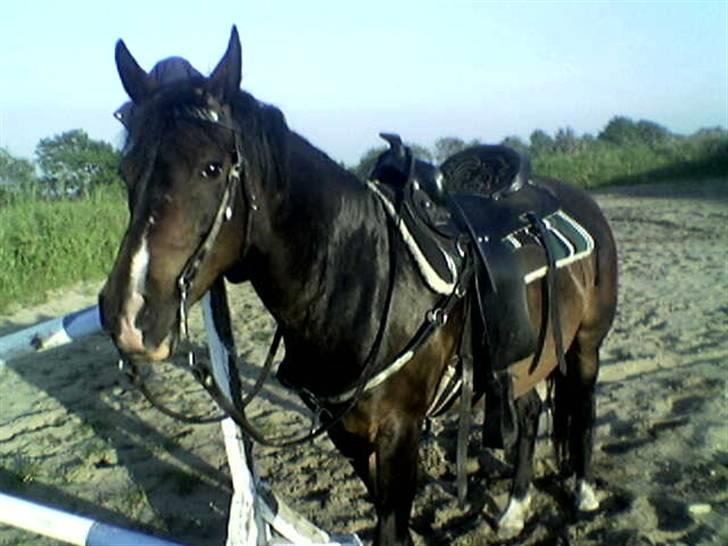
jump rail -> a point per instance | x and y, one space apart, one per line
64 526
255 510
51 333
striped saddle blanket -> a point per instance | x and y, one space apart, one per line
567 240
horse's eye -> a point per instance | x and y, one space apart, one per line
212 170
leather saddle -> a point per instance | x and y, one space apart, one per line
475 199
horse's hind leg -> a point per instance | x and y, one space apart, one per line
574 417
512 520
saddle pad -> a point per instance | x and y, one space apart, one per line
568 240
436 257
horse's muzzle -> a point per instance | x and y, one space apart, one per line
132 341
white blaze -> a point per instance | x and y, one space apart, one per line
139 267
130 336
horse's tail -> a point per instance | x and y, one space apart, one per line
562 411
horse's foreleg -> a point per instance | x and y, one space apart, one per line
513 518
395 478
358 450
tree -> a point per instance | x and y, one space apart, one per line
14 170
652 133
73 163
447 146
364 168
619 130
541 143
566 141
366 164
622 130
420 152
516 143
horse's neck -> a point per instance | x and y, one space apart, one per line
327 248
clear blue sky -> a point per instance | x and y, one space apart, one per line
344 71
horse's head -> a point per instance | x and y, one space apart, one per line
191 165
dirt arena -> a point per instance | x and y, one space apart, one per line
73 433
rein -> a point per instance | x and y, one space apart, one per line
367 381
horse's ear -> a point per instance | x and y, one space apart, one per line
137 83
225 79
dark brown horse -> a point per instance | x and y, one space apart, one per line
218 185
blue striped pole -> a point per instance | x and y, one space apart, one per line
51 333
69 528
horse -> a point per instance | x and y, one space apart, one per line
220 187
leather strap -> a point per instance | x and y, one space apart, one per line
466 402
551 300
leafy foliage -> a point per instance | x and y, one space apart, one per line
48 243
622 130
72 163
14 170
516 143
447 146
17 177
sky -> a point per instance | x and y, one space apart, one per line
343 71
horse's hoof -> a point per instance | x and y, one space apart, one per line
513 518
586 498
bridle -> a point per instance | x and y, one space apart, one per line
237 176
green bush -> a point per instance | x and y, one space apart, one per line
47 244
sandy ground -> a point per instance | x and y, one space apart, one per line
74 434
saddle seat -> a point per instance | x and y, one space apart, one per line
487 171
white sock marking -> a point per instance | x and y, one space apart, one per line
586 497
513 519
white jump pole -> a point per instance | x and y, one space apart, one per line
67 527
51 333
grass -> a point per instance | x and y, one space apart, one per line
49 244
